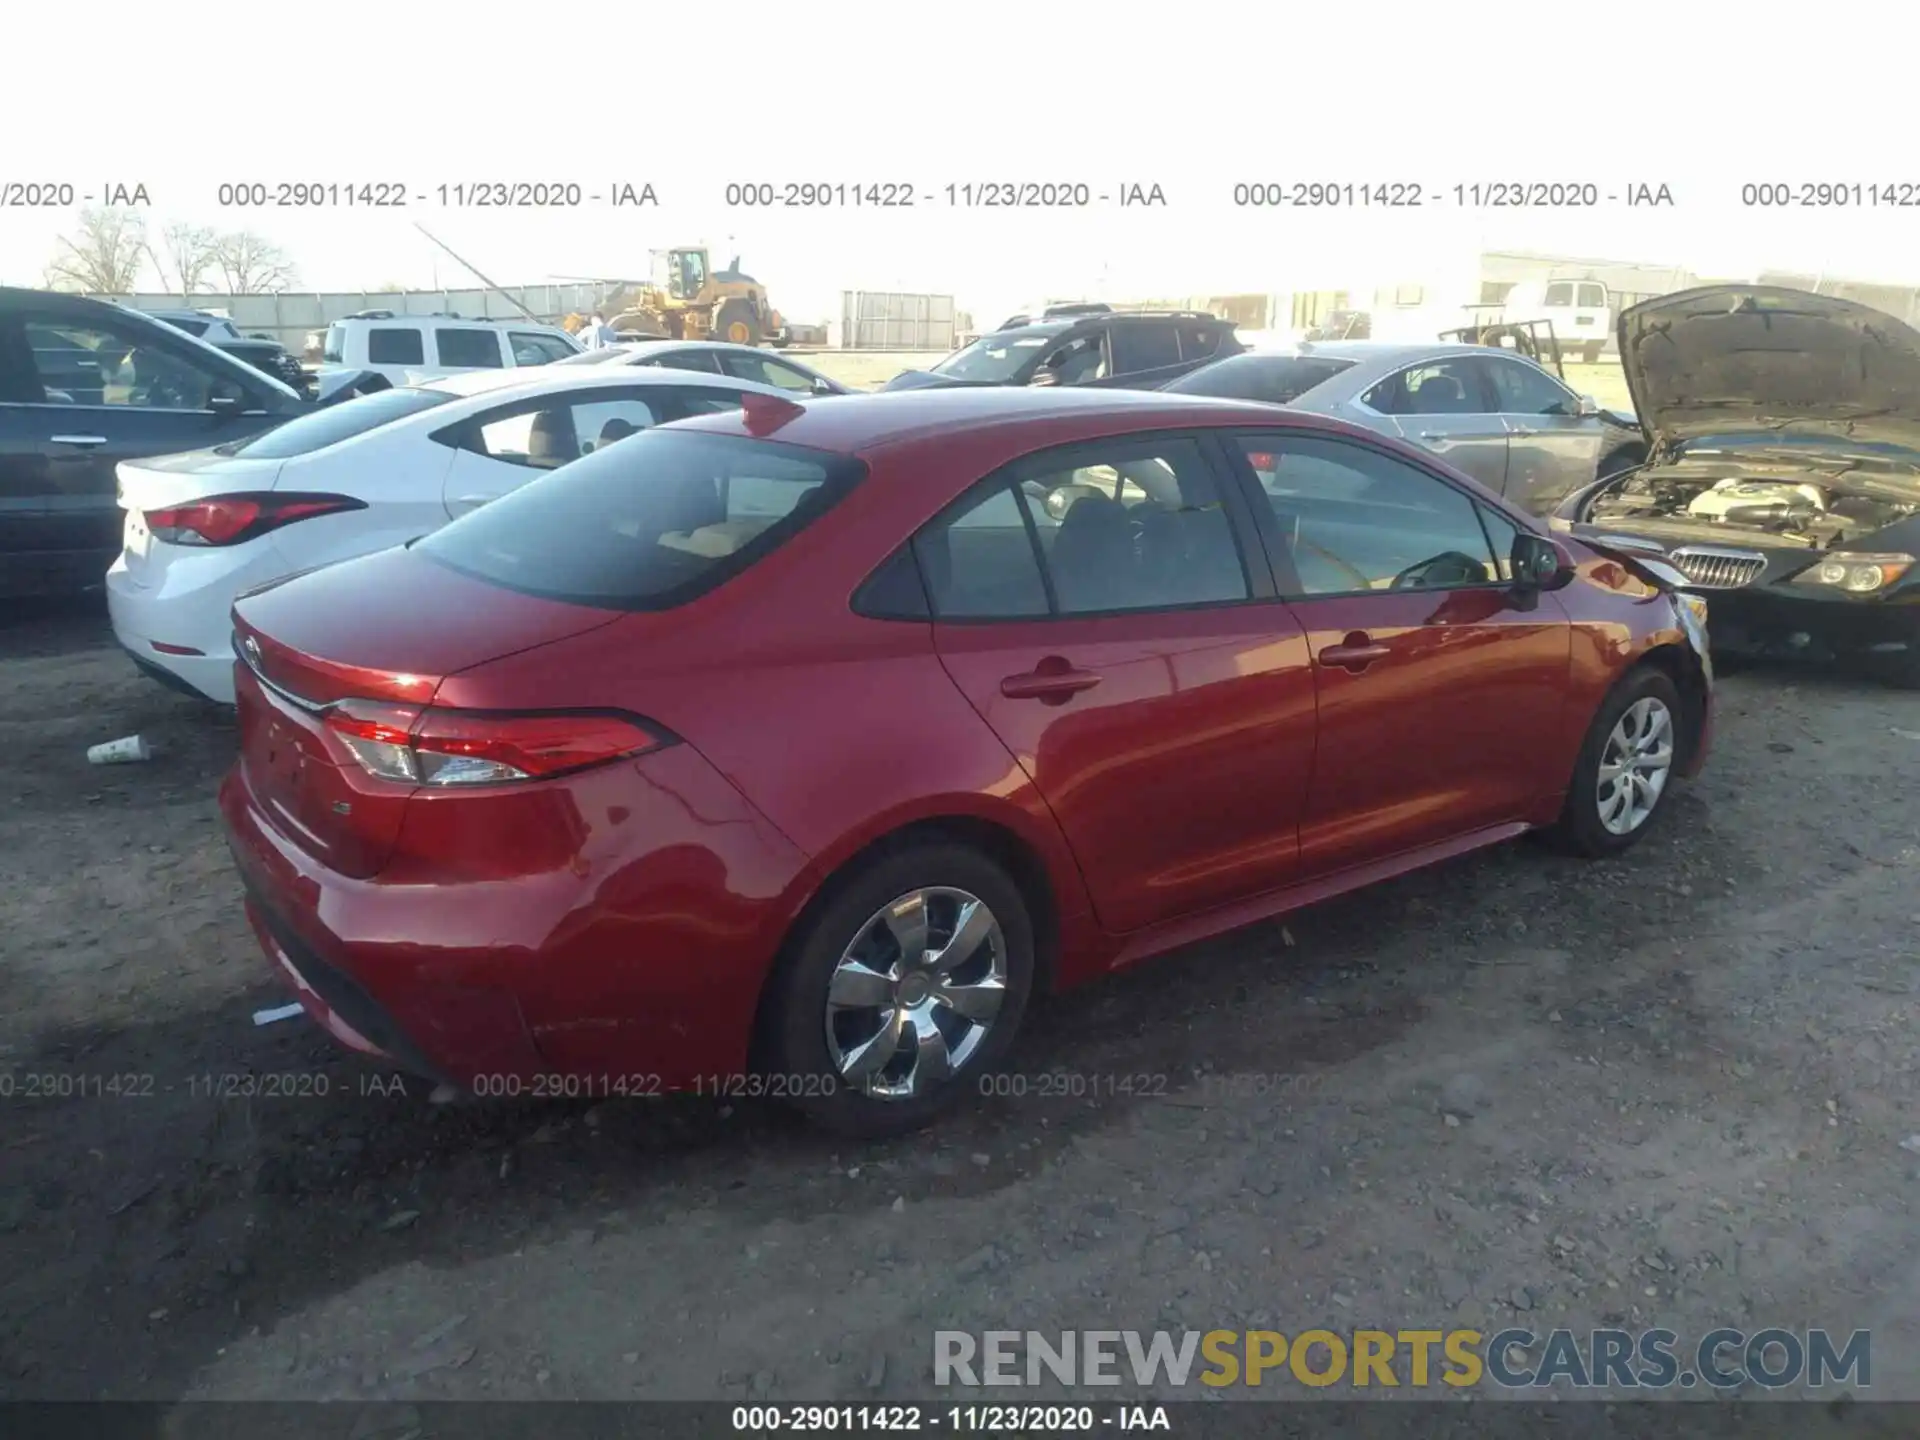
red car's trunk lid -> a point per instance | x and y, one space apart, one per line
386 628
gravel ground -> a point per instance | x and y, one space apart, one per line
1671 1089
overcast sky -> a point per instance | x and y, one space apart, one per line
1193 98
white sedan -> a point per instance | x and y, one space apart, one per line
361 476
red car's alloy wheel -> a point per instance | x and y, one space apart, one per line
903 992
1635 764
913 997
1619 782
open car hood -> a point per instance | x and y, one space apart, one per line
1724 359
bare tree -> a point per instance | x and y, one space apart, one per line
190 251
103 256
252 265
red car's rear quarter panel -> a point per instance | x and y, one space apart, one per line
615 918
627 907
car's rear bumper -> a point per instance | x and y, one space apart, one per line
204 677
333 999
372 996
612 931
173 610
146 664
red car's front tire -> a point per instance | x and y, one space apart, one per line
1626 766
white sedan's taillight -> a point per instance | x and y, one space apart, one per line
235 519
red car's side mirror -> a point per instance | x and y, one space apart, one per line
1539 563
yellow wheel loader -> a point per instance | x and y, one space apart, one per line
687 300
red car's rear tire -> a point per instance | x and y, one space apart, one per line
902 993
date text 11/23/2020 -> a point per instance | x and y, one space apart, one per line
959 1419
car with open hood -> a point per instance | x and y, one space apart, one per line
1783 470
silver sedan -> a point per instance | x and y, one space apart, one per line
742 362
1499 417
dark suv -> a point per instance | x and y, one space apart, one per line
1139 350
85 384
260 351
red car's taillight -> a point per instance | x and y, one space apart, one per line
233 519
457 747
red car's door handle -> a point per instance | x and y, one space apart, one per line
1054 683
1354 653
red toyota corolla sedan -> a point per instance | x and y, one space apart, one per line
791 751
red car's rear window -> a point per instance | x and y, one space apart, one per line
647 523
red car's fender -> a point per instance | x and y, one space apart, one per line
1637 623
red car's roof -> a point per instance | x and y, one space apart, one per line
869 423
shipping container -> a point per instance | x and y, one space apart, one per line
890 320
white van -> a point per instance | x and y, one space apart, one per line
407 349
1581 312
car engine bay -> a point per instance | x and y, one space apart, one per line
1820 506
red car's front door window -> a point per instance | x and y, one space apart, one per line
1440 691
